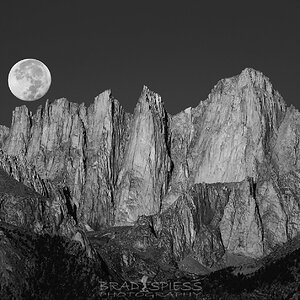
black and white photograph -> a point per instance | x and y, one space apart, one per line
149 149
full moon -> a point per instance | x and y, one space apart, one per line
29 79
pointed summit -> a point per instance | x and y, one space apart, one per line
250 85
255 78
142 181
244 111
150 100
104 96
250 71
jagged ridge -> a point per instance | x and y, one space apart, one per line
234 157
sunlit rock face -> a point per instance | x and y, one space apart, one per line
226 136
221 178
146 169
233 130
79 149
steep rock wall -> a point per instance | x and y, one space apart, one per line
219 178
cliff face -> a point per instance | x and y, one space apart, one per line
79 150
221 178
146 170
4 131
233 133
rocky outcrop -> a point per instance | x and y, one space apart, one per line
231 131
79 150
286 147
23 207
4 131
212 219
144 177
217 180
33 203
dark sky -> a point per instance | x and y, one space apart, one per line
179 49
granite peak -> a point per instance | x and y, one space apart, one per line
216 180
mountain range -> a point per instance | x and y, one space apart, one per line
151 197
